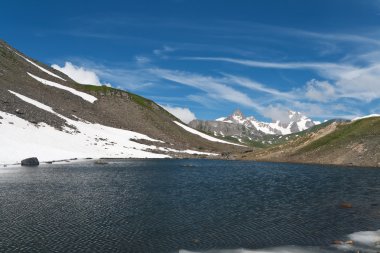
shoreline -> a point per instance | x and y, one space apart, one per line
184 157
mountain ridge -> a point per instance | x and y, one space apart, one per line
71 103
240 127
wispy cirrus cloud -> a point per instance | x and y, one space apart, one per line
228 61
254 85
275 65
356 82
213 87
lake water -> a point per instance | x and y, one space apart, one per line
187 205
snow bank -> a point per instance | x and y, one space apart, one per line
41 68
187 151
369 238
22 139
83 95
33 102
364 241
205 136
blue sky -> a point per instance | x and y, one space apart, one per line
207 58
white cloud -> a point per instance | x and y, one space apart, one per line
126 76
346 80
276 113
275 65
141 60
184 114
80 74
253 85
321 91
163 51
214 87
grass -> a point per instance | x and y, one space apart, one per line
346 133
104 89
144 102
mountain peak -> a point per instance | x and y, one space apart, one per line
238 113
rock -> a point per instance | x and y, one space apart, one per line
349 242
101 162
33 161
195 241
337 242
345 205
18 111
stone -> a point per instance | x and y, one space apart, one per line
18 111
345 205
32 161
101 162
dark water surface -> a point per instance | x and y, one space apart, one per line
168 205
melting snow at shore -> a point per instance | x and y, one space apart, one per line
363 242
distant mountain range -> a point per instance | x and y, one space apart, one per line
240 127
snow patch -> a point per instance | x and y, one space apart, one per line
83 95
187 151
21 139
205 136
41 68
369 238
33 102
365 241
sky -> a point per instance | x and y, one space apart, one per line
204 59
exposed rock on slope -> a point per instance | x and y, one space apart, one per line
249 128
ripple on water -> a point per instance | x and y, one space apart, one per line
165 205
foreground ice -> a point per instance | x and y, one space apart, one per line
363 242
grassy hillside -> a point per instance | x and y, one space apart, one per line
345 143
357 131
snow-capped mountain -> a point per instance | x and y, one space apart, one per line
297 122
250 127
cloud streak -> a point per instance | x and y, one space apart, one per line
214 88
274 65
